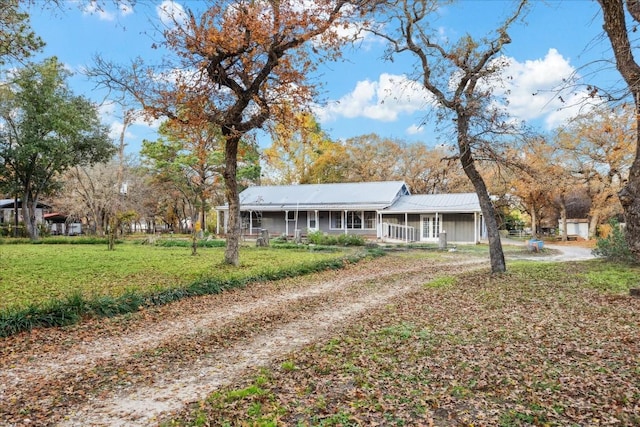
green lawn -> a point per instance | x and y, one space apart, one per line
34 274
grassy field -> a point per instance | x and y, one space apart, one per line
33 274
544 344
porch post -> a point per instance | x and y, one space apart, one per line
317 219
406 227
286 223
250 222
344 222
475 227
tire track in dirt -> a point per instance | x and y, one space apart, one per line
141 405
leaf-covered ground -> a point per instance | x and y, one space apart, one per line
408 339
531 347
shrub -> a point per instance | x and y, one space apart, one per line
614 247
184 243
60 240
320 238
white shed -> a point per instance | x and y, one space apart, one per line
577 227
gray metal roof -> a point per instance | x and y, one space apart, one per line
441 203
352 195
8 203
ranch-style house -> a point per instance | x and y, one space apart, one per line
382 210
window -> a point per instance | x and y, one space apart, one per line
257 219
311 220
291 215
354 220
430 226
370 220
335 220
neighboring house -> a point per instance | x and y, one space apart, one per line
8 211
382 210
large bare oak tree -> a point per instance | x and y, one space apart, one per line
615 26
238 66
460 75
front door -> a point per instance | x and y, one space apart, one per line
312 220
430 227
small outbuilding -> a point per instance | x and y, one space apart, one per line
578 228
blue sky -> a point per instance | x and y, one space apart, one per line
557 39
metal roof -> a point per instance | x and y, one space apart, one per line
441 203
8 203
352 195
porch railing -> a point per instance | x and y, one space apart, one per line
405 233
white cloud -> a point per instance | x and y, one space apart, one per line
93 8
415 130
382 100
535 90
111 113
532 89
107 110
103 13
115 129
171 13
125 8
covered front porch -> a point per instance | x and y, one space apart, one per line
290 222
427 227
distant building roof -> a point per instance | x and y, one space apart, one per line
55 217
441 203
353 195
8 204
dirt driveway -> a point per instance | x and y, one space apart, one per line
133 370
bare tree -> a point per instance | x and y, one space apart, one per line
615 26
237 66
460 76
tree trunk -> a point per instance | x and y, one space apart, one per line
113 230
593 224
616 29
496 254
194 242
630 199
16 222
232 251
202 215
534 221
29 204
563 219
